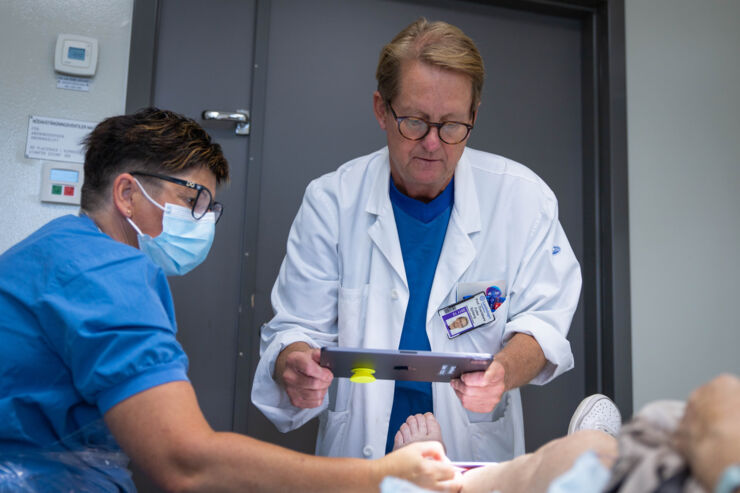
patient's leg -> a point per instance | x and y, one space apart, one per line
532 473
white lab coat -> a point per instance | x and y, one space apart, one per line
343 283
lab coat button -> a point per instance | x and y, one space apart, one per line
394 294
367 451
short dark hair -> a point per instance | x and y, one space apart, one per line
150 140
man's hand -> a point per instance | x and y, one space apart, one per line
297 369
709 432
422 463
481 391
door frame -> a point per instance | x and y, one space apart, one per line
606 266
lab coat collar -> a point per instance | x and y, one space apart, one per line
466 206
379 202
458 251
466 197
383 231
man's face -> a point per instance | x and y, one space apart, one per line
422 169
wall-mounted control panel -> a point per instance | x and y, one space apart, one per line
62 183
76 55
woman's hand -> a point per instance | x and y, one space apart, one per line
422 463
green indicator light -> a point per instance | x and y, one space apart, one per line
56 189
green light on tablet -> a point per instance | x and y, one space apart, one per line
362 375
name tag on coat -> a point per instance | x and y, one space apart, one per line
475 306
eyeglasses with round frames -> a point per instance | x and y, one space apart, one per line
203 200
415 128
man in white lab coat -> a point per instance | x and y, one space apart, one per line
384 242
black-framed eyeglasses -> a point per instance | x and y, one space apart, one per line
203 201
415 128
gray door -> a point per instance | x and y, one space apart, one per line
306 71
204 61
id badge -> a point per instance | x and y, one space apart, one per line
466 315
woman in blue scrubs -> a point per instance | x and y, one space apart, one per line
89 361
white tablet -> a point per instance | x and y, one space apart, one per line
365 365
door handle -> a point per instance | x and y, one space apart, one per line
241 117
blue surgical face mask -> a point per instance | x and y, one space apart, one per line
184 241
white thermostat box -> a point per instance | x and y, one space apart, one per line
62 183
76 55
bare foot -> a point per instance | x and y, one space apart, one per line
418 428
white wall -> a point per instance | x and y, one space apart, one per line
28 32
683 115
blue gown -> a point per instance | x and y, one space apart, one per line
85 322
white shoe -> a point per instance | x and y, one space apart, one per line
596 412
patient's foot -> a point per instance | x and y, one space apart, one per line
418 428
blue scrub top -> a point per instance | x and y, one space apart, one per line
85 322
421 231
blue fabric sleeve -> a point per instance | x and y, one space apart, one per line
113 325
159 375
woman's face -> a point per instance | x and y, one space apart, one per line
147 216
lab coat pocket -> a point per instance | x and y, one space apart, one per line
333 433
498 326
492 435
351 306
487 338
501 313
